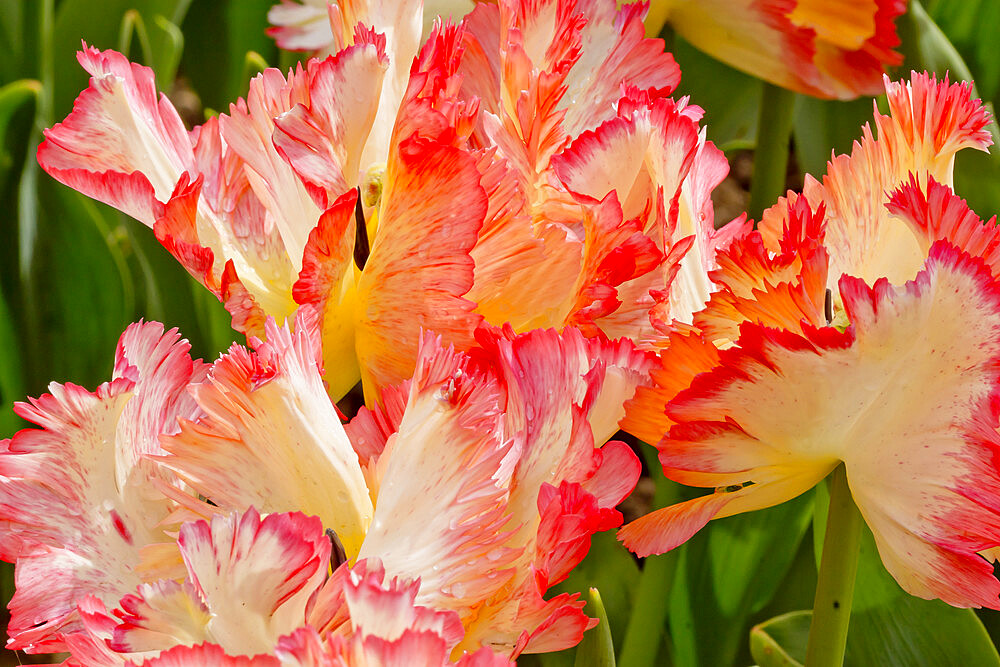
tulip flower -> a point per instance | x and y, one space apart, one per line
902 390
479 481
260 205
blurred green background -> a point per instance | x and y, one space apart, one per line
74 273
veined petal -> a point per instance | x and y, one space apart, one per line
401 21
560 67
551 383
782 289
75 499
272 439
657 160
685 355
439 515
534 68
388 609
121 145
827 49
247 131
929 122
249 580
327 27
667 528
915 430
419 268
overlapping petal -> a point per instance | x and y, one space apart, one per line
249 581
929 122
77 496
532 68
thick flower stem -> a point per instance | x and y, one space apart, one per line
770 159
644 632
837 570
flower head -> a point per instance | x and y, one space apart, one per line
895 379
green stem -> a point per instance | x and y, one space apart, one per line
837 570
644 633
770 159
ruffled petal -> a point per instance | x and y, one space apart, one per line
121 145
930 121
440 512
783 289
906 397
324 140
938 214
204 654
249 580
76 500
419 268
272 439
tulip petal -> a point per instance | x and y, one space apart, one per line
272 439
121 145
75 498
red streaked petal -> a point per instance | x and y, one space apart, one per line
906 398
327 282
419 268
271 438
929 122
75 503
938 214
667 528
121 145
204 654
249 581
324 140
826 49
440 512
685 355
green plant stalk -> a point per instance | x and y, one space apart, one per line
644 633
837 570
770 159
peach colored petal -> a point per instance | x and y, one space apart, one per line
419 268
906 398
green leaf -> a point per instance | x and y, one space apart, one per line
645 630
77 20
608 567
221 33
15 98
781 641
11 372
596 649
729 571
159 49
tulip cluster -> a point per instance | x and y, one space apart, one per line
503 229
